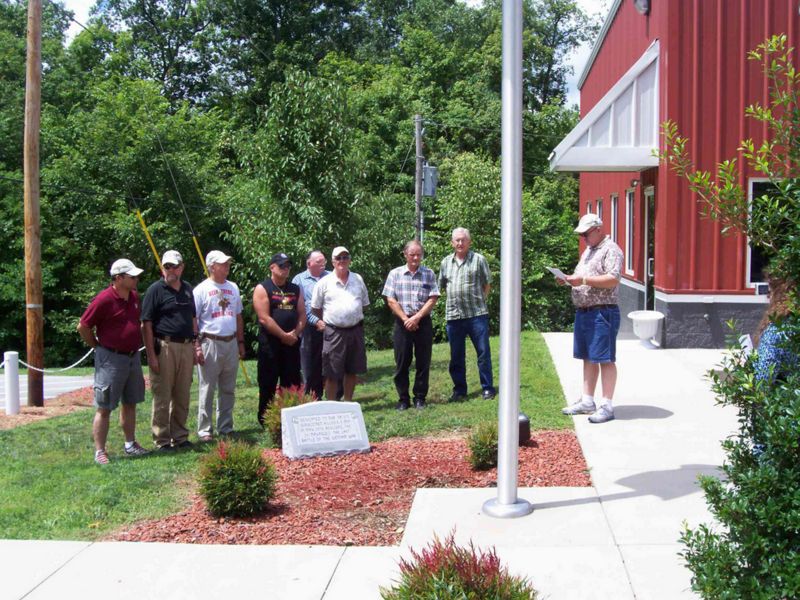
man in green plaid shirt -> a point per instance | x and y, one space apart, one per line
465 277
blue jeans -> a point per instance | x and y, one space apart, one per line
477 328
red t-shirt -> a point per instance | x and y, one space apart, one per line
116 321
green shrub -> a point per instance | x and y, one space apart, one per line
236 480
483 446
754 549
445 571
284 398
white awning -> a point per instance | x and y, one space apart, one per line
621 132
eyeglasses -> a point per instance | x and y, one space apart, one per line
170 266
342 257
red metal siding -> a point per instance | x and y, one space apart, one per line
705 83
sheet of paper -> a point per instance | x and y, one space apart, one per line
557 273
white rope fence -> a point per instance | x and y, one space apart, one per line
10 365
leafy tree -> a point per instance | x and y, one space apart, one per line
754 552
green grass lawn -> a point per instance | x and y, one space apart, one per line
50 487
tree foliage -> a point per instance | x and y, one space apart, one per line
279 125
754 551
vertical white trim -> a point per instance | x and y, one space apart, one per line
599 205
614 217
629 231
749 249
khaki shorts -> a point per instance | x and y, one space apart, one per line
117 377
343 351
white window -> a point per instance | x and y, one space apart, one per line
629 232
757 260
600 208
588 207
614 212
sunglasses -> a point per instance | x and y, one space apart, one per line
170 266
342 257
284 266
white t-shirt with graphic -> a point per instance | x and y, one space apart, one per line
217 305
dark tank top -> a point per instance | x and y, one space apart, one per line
282 305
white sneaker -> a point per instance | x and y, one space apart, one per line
581 407
602 414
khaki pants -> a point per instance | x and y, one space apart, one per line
220 368
170 387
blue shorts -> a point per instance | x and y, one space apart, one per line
595 337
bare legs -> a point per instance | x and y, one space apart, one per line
127 418
607 373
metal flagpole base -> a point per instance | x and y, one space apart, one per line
520 508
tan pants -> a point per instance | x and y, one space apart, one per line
170 387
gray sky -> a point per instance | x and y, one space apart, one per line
578 59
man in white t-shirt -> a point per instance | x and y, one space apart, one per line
221 327
338 301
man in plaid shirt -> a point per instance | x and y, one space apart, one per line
411 292
465 277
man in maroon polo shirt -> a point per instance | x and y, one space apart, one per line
111 326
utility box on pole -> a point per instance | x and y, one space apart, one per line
430 179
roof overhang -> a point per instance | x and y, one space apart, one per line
621 132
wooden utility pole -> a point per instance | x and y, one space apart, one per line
418 181
33 247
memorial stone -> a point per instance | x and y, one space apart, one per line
324 428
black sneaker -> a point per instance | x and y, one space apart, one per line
456 397
489 394
165 448
185 444
403 405
419 403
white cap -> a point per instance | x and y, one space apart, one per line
588 221
216 257
339 250
171 257
126 267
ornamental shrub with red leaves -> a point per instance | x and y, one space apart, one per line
445 571
236 480
284 398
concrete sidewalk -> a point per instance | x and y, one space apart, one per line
615 540
54 385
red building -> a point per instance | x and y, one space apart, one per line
684 60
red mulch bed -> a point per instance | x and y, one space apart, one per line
363 499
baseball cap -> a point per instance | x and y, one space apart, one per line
216 257
588 221
280 259
124 266
171 257
339 250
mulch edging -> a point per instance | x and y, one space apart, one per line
362 499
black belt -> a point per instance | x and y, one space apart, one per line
218 338
128 354
359 324
174 339
595 307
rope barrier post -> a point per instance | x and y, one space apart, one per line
11 364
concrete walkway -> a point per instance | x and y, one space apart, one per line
616 540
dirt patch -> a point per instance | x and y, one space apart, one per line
53 407
362 499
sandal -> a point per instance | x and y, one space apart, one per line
101 457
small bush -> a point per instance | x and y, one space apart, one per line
236 480
483 446
284 398
445 571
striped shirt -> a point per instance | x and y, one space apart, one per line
411 290
464 285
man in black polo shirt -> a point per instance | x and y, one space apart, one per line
169 326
